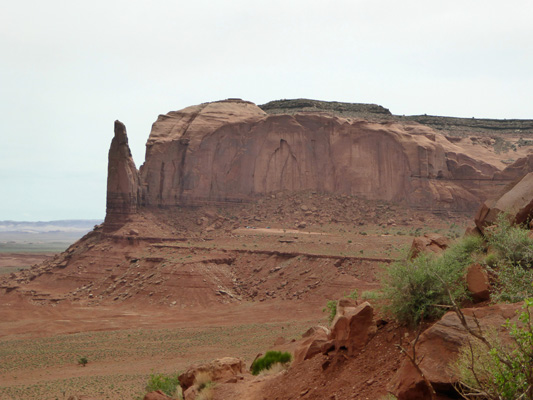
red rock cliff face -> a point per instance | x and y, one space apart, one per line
122 181
232 150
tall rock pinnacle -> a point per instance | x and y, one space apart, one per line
122 181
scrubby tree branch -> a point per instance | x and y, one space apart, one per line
416 362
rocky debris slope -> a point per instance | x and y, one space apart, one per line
196 256
104 268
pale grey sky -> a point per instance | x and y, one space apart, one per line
70 68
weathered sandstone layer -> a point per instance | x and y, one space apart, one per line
232 151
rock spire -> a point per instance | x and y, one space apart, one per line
122 181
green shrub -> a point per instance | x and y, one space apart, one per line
269 359
511 243
371 295
168 384
511 260
83 361
514 283
352 295
498 371
491 260
331 309
416 288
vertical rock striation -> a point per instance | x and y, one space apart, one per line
122 181
232 150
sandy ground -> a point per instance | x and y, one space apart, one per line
166 340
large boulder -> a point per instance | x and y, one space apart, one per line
191 393
352 328
313 342
519 168
438 347
219 370
477 282
517 202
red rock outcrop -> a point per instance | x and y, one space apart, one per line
122 181
519 168
477 282
438 348
312 343
218 370
517 202
352 327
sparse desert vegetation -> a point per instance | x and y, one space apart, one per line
494 366
417 288
122 362
269 359
168 384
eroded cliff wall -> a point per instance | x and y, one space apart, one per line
232 151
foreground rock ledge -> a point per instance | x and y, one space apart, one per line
438 347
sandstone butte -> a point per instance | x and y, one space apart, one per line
233 151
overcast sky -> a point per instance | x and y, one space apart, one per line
70 68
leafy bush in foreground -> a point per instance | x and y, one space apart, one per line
511 243
415 288
496 371
511 260
269 359
168 384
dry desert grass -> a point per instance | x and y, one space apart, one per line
121 361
